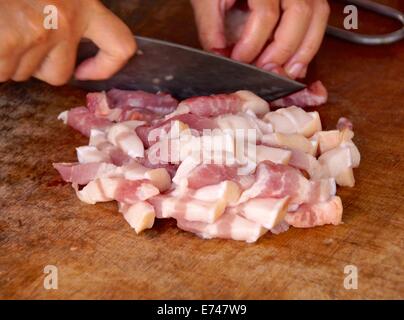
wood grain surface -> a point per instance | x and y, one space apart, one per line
98 255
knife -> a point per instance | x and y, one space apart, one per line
185 72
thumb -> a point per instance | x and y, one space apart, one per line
115 42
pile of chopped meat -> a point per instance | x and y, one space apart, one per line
222 166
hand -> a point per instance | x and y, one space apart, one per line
28 49
294 30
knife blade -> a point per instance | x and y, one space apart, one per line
185 72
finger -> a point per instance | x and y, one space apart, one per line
10 54
259 27
303 73
30 62
116 44
8 67
57 67
289 34
312 41
209 18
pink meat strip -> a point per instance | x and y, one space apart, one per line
99 104
215 105
278 181
82 120
115 155
160 103
211 174
194 122
119 189
228 226
171 168
317 214
314 95
132 191
80 173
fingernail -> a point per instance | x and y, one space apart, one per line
303 73
225 52
294 70
270 66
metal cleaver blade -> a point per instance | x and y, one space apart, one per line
185 72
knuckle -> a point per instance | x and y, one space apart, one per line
39 35
56 78
8 44
285 51
302 8
309 50
324 8
270 14
126 51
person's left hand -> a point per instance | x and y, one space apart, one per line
277 35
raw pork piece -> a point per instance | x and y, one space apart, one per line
84 173
229 226
267 212
314 95
206 204
99 104
294 120
286 177
278 181
160 103
215 105
119 189
82 120
150 134
139 215
317 214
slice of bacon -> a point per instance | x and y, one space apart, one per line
314 95
317 214
278 181
219 104
160 103
210 174
139 215
120 189
212 106
229 226
99 104
294 120
84 173
151 133
268 212
123 135
206 204
82 120
290 141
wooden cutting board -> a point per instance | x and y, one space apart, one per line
97 254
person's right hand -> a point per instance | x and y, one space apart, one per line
28 49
